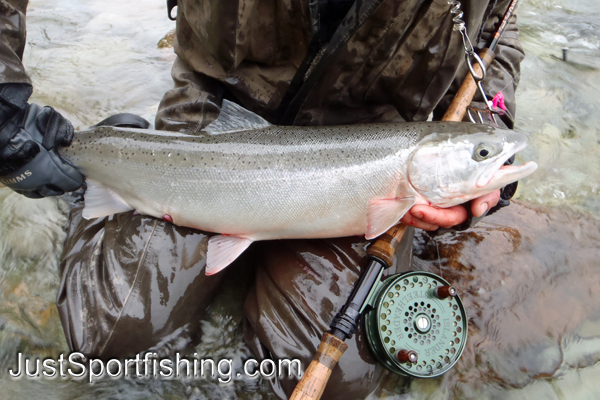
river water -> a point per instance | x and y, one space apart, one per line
95 58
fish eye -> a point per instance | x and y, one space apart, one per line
482 152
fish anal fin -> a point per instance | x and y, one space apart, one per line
382 214
235 118
100 201
223 250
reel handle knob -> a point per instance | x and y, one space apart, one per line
443 292
410 356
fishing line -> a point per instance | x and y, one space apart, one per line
439 258
511 81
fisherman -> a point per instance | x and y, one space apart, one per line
130 283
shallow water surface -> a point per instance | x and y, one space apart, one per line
535 326
558 101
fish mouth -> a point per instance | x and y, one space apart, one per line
502 174
511 173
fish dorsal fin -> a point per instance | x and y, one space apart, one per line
223 250
100 201
382 214
235 118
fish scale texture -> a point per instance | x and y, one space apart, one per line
276 182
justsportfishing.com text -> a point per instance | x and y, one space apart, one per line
149 366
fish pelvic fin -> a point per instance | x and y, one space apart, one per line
382 214
223 250
100 201
235 118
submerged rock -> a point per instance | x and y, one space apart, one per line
528 276
167 40
530 280
29 276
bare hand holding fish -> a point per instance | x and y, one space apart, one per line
431 218
249 180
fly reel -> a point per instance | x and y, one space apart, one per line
416 325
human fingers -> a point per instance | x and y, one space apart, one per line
444 217
409 219
481 204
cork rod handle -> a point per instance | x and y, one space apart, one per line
384 247
315 378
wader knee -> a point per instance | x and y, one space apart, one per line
300 286
131 283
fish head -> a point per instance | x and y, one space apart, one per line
452 168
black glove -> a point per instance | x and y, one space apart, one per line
29 161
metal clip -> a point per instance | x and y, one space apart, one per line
470 54
459 24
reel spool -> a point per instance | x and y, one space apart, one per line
417 325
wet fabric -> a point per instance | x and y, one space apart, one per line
300 285
12 41
401 62
130 283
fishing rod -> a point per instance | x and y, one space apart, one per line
394 327
472 82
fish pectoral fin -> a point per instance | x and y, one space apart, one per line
100 201
235 118
382 214
223 250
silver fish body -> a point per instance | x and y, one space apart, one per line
272 182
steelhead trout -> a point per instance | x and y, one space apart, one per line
249 180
